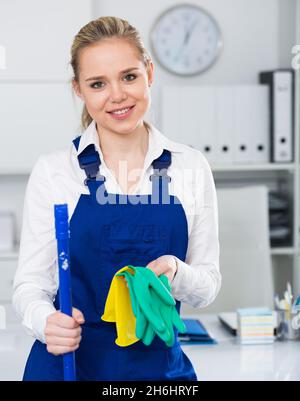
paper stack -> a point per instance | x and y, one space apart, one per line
255 326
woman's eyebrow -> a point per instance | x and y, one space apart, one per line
103 76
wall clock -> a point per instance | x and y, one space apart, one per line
186 39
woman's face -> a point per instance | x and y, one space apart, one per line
104 85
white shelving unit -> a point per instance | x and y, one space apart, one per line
296 259
285 259
255 167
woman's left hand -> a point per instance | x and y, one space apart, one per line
166 265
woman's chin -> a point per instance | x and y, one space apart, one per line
124 127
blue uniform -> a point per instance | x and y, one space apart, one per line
108 232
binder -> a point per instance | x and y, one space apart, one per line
224 124
195 333
251 142
199 110
189 117
281 84
228 124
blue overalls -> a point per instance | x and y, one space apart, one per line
108 232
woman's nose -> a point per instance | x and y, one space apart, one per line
117 93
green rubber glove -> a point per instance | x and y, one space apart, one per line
141 321
147 275
165 312
141 302
143 280
144 330
170 315
158 295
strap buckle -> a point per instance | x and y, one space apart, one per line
99 177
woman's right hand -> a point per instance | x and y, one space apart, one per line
63 332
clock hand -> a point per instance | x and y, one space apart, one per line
186 39
189 32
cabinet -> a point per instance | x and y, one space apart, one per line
35 118
37 35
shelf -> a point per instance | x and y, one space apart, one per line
254 167
11 254
284 251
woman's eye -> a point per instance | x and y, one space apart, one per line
131 75
96 87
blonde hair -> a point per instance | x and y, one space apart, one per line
103 28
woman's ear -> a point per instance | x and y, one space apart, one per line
77 89
150 73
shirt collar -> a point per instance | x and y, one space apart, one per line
157 141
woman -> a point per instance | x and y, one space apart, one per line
145 201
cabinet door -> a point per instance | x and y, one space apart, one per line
37 36
7 271
35 119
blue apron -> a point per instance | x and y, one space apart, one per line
108 232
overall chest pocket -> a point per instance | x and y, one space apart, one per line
134 239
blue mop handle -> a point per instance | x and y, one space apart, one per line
65 295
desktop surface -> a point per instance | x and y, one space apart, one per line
230 361
225 361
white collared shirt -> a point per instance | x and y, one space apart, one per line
57 178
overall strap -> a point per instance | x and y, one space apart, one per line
89 161
163 161
160 178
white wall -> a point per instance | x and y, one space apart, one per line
258 35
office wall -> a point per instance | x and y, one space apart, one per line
257 36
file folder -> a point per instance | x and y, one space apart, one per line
281 84
225 105
195 333
203 100
189 117
228 124
251 142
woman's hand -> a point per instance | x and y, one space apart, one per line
166 265
63 332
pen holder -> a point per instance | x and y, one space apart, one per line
285 330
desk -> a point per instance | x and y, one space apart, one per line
230 361
226 360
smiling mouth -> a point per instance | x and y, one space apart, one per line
121 111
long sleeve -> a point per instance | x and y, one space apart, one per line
198 279
35 283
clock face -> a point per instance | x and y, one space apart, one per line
186 40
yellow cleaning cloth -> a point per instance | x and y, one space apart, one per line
118 309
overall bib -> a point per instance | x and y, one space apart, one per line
108 232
